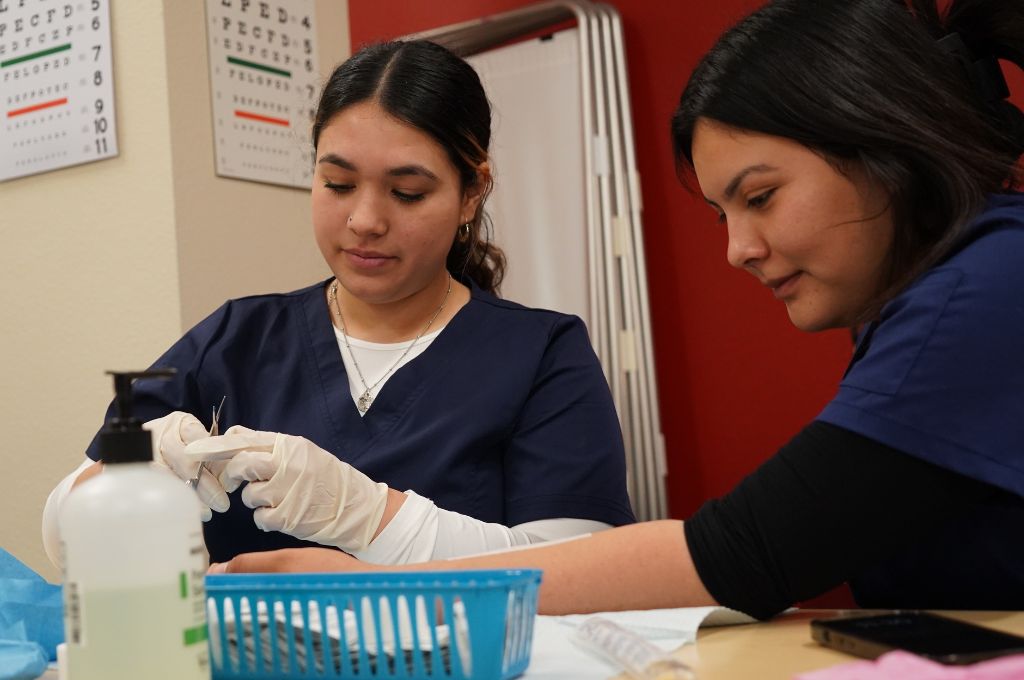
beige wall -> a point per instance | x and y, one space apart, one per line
234 238
104 265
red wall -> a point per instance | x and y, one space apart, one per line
735 379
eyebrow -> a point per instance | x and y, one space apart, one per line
734 184
335 159
411 170
401 171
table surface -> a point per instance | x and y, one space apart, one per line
782 647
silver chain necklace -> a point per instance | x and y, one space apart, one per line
366 400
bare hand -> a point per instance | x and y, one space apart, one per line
292 560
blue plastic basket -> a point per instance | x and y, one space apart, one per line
455 624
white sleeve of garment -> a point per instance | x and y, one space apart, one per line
51 530
420 532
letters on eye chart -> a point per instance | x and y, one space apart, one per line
56 85
263 87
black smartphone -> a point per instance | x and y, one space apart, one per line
934 637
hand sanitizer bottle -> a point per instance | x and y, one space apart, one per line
134 562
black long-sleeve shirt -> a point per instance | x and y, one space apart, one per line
833 506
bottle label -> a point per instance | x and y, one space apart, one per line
192 587
127 632
73 614
132 632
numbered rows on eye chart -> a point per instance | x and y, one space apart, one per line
56 91
264 85
260 131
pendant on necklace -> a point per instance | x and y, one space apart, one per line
365 401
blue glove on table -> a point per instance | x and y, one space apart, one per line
31 620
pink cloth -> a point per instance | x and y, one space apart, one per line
903 665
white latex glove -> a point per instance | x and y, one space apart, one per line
170 436
296 487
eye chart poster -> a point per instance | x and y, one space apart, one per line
264 84
56 85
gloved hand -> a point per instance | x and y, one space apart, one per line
170 436
296 487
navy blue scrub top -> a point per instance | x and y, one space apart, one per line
940 376
506 417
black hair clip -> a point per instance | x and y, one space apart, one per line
984 74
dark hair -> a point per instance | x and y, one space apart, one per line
866 81
427 86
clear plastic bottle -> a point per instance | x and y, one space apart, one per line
134 563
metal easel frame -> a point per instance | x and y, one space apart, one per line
618 296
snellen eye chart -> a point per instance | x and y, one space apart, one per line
56 85
264 85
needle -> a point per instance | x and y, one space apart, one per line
214 431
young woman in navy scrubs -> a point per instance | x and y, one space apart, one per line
403 371
861 155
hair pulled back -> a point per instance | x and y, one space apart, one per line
869 81
427 86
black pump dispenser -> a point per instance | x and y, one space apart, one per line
122 439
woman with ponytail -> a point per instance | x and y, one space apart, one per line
862 155
403 371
